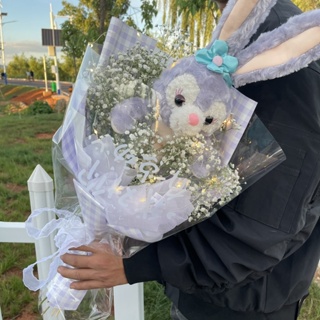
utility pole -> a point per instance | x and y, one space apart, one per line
45 73
2 45
56 69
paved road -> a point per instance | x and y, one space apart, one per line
64 86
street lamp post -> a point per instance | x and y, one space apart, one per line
2 46
55 60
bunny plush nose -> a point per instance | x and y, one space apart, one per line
193 119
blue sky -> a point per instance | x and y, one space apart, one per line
22 26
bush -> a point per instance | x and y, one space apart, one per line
61 106
39 107
13 108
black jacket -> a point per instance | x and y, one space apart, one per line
260 251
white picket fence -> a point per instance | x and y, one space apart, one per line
128 299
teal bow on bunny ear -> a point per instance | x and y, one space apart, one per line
217 60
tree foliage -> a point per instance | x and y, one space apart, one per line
75 43
89 21
92 17
20 64
306 5
67 70
198 18
148 11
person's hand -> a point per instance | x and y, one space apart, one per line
100 269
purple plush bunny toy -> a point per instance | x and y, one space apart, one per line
195 95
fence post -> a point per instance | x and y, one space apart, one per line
128 299
128 302
40 186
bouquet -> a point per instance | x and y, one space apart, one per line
148 147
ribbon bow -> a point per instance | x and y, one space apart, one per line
217 60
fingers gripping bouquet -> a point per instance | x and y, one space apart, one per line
147 150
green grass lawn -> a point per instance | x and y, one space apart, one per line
25 142
22 148
10 91
311 307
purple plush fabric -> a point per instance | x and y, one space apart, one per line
272 39
126 113
212 86
242 36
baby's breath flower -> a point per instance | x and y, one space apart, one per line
128 74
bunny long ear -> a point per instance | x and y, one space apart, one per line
240 20
282 51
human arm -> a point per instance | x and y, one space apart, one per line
250 236
267 223
100 268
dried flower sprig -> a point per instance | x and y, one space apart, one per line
123 76
132 74
178 155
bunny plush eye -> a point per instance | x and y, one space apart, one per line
208 120
182 90
179 100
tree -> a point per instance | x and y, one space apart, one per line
198 18
67 71
74 45
20 64
36 65
90 19
148 11
93 16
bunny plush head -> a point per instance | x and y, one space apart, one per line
192 99
196 94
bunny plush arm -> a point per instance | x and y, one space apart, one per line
137 105
125 114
